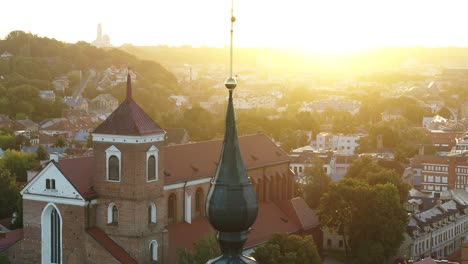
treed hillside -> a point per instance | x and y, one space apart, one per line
36 61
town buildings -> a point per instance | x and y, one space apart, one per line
438 231
441 173
135 200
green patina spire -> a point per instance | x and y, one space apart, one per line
231 205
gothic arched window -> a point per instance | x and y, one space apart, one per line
114 170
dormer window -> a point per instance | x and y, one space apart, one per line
113 164
152 164
50 184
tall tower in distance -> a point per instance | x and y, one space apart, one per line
101 41
99 32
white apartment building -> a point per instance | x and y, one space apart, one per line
343 144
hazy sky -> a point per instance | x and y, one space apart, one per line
329 25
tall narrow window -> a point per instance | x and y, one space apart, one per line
172 208
199 202
47 184
152 213
52 184
115 215
152 164
113 164
154 250
55 245
51 235
112 214
151 168
114 170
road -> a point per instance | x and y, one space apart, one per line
79 90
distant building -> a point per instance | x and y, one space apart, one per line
76 103
29 125
104 103
61 83
47 94
345 144
6 55
392 114
434 123
442 173
101 41
438 231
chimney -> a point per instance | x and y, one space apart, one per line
54 157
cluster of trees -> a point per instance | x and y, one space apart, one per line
281 249
13 169
291 249
365 208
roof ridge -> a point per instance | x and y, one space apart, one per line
113 248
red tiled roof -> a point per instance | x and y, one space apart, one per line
271 219
300 212
80 172
107 243
11 237
128 119
199 160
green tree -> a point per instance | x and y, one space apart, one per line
18 163
371 219
89 141
41 153
290 249
9 193
404 152
367 170
203 250
316 183
60 142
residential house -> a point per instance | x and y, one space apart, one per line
29 125
61 83
76 103
47 94
104 103
392 114
6 55
438 231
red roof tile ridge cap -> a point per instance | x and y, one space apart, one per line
212 140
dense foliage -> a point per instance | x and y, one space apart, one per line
37 61
315 183
290 249
203 250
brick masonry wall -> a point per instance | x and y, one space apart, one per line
29 249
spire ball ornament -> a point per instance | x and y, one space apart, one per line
230 83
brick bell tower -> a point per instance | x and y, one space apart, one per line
129 181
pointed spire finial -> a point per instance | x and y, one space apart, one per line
129 84
231 205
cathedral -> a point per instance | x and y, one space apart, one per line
136 200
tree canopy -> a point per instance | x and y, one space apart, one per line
204 249
315 183
287 249
371 219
